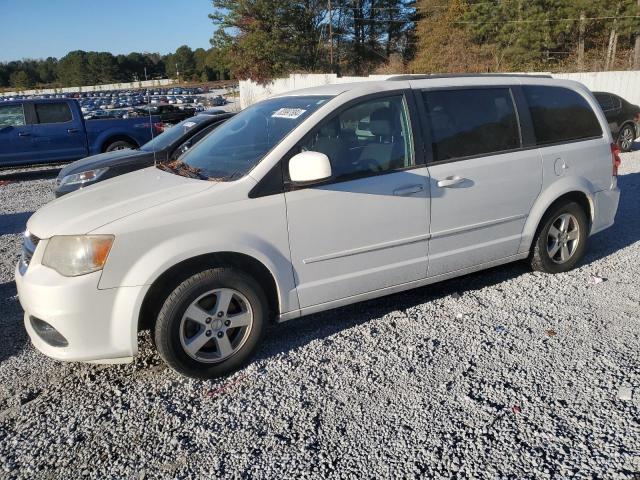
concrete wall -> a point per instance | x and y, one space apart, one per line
95 88
626 84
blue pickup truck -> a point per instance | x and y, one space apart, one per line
53 130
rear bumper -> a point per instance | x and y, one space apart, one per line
99 326
605 208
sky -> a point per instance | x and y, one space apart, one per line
52 28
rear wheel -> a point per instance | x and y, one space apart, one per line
118 145
626 137
562 239
211 323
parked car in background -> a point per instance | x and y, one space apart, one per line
218 101
167 146
54 130
167 113
284 211
623 118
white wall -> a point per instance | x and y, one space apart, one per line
95 88
626 84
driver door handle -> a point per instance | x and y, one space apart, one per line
408 190
450 182
23 134
72 130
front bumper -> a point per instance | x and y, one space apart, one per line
99 326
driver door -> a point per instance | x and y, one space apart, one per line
366 228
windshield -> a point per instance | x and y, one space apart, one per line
234 148
170 135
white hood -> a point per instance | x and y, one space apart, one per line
85 210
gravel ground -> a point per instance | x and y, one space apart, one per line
500 374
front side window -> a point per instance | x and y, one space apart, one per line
371 137
11 116
560 115
53 112
471 122
236 146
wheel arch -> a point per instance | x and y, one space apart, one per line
577 193
116 138
167 280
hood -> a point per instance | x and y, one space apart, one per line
107 159
92 207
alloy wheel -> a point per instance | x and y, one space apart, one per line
216 325
563 238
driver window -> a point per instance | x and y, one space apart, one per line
370 137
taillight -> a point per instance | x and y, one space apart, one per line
158 127
615 159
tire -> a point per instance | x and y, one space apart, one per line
626 137
118 145
548 254
226 348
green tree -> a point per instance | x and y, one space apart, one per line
20 79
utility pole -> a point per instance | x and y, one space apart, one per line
581 42
177 72
331 36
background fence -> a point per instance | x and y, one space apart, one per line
95 88
624 83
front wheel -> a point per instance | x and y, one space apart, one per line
562 239
118 145
211 323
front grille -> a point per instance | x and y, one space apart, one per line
29 244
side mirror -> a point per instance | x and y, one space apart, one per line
308 167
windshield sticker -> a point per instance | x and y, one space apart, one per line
288 113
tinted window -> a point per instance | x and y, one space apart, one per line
53 112
370 137
173 134
471 122
605 101
233 148
560 114
11 115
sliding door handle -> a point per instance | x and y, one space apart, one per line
451 182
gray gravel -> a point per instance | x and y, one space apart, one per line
501 374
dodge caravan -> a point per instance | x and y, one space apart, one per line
315 199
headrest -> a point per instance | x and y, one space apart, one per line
329 130
380 128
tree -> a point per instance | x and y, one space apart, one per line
19 79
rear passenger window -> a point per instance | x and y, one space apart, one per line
471 122
605 101
560 115
53 112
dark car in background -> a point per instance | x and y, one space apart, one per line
623 118
167 113
167 146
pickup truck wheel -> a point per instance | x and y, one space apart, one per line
562 240
211 323
118 145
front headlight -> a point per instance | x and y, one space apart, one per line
73 255
83 178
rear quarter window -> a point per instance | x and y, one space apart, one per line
560 115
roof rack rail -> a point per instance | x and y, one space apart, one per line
457 75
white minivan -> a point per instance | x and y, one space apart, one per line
315 199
